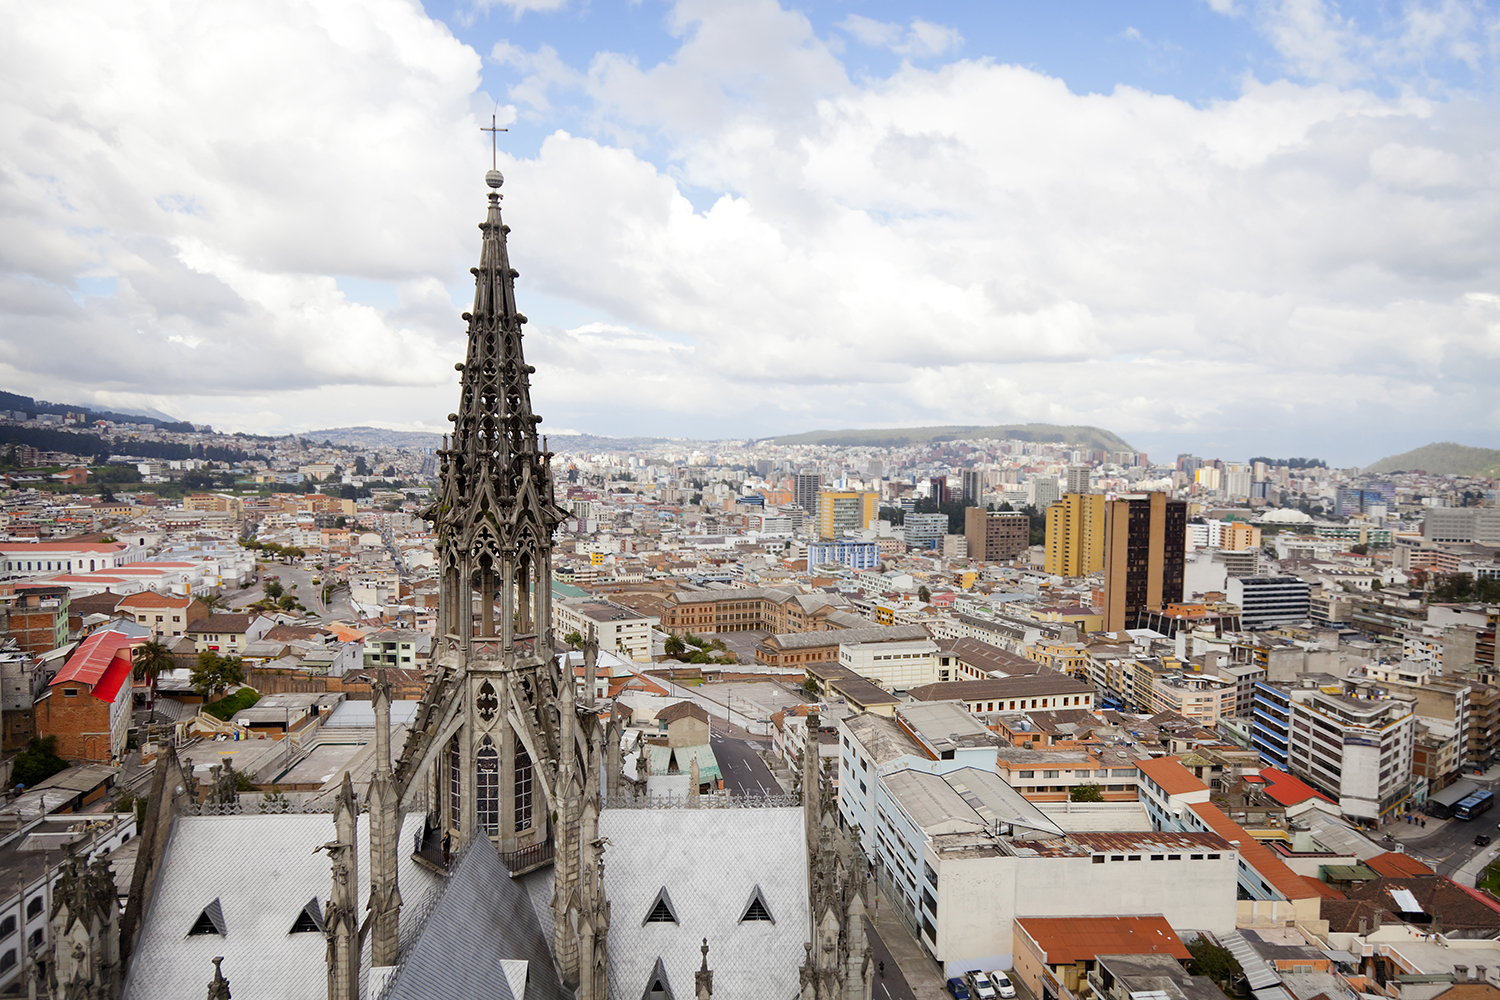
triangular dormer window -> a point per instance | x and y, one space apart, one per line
657 987
210 921
662 911
309 920
757 909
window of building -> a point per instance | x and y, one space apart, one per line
487 787
8 960
523 796
7 927
34 907
662 911
756 909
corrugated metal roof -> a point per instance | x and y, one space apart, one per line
1405 901
1066 940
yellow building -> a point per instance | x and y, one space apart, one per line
1236 536
840 512
1075 535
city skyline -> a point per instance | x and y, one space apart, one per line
1207 227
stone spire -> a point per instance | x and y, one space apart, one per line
703 979
811 797
385 830
341 922
495 511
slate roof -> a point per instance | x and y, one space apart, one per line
709 860
1044 683
219 624
270 874
833 637
482 924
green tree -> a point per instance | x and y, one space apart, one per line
340 521
923 594
1360 550
390 472
674 645
273 589
1086 793
1214 961
150 659
38 762
360 468
214 674
574 638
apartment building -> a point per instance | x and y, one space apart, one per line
924 531
750 609
996 535
895 666
845 552
1075 535
1268 601
613 626
1357 750
841 512
1198 697
1043 690
1144 556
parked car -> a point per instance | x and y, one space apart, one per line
1003 986
1482 840
979 985
958 989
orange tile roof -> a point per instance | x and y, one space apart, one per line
1169 773
151 599
1288 790
1323 888
1256 855
1394 865
1066 940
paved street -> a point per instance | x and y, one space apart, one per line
743 771
1448 845
890 984
310 594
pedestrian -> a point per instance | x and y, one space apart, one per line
1424 824
447 847
882 970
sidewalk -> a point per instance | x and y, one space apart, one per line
922 975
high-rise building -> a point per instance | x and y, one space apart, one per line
839 512
925 531
1077 479
1075 535
1041 491
971 481
938 489
805 487
1144 554
1266 601
995 535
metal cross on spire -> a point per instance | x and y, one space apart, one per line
494 145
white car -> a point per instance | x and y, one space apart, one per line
980 986
1002 984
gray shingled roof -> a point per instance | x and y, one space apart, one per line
709 891
262 870
482 922
833 637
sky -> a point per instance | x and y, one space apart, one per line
1226 227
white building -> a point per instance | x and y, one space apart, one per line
895 666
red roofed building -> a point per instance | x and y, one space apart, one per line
1286 789
1063 949
88 704
163 614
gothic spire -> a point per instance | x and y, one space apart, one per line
495 506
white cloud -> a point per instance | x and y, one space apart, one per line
921 39
969 243
519 7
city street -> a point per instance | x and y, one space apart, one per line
1448 845
310 594
743 771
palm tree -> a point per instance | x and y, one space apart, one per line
149 660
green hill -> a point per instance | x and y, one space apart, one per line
1443 458
1093 438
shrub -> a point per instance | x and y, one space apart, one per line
225 708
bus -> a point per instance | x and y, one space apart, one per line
1474 805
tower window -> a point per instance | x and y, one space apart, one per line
487 787
310 920
455 782
523 781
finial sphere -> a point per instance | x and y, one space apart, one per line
494 178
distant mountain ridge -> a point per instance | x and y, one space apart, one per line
377 437
1092 438
25 404
1443 458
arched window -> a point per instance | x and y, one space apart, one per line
37 937
7 960
34 907
523 788
7 927
487 787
